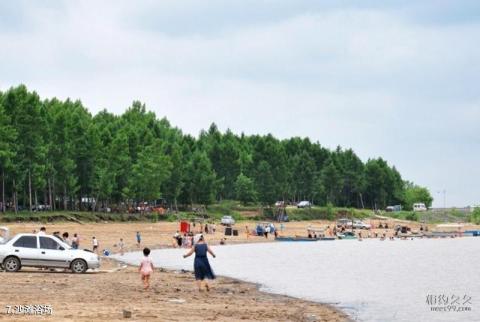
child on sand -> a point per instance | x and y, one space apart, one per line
139 238
146 268
95 245
121 245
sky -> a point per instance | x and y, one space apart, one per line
391 79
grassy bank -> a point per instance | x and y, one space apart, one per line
239 212
431 217
56 216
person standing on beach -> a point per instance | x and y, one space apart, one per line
146 268
121 245
95 245
201 265
75 241
66 239
139 239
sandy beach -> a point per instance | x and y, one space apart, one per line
160 234
103 295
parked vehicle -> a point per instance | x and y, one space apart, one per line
344 222
358 224
393 208
44 251
419 206
304 204
227 220
280 204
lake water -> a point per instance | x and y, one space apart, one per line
371 280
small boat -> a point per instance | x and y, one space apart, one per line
442 234
474 233
295 239
346 235
327 238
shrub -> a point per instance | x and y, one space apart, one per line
475 217
330 211
413 216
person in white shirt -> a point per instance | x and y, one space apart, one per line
43 231
95 245
267 231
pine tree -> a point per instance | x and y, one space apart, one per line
245 189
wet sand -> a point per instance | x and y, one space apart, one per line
96 296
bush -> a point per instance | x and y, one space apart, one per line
413 216
475 217
330 211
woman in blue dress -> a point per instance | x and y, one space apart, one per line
201 265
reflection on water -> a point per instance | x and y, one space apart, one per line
371 280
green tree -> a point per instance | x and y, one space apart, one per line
149 173
414 194
203 183
53 151
176 180
303 175
331 182
245 189
475 217
265 184
7 152
24 110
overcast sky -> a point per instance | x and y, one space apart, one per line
398 80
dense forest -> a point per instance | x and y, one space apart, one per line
56 153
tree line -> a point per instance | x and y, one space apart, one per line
56 153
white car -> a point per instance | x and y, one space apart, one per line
44 251
227 220
358 224
304 204
419 206
344 222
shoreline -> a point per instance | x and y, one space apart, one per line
336 310
104 295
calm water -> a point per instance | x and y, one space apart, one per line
371 280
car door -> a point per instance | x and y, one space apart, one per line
52 254
26 248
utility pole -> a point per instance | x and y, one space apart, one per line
444 191
445 203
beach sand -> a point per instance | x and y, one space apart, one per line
103 295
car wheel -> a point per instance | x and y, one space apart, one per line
79 266
12 264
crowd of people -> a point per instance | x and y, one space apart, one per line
73 241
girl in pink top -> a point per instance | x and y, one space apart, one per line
146 268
